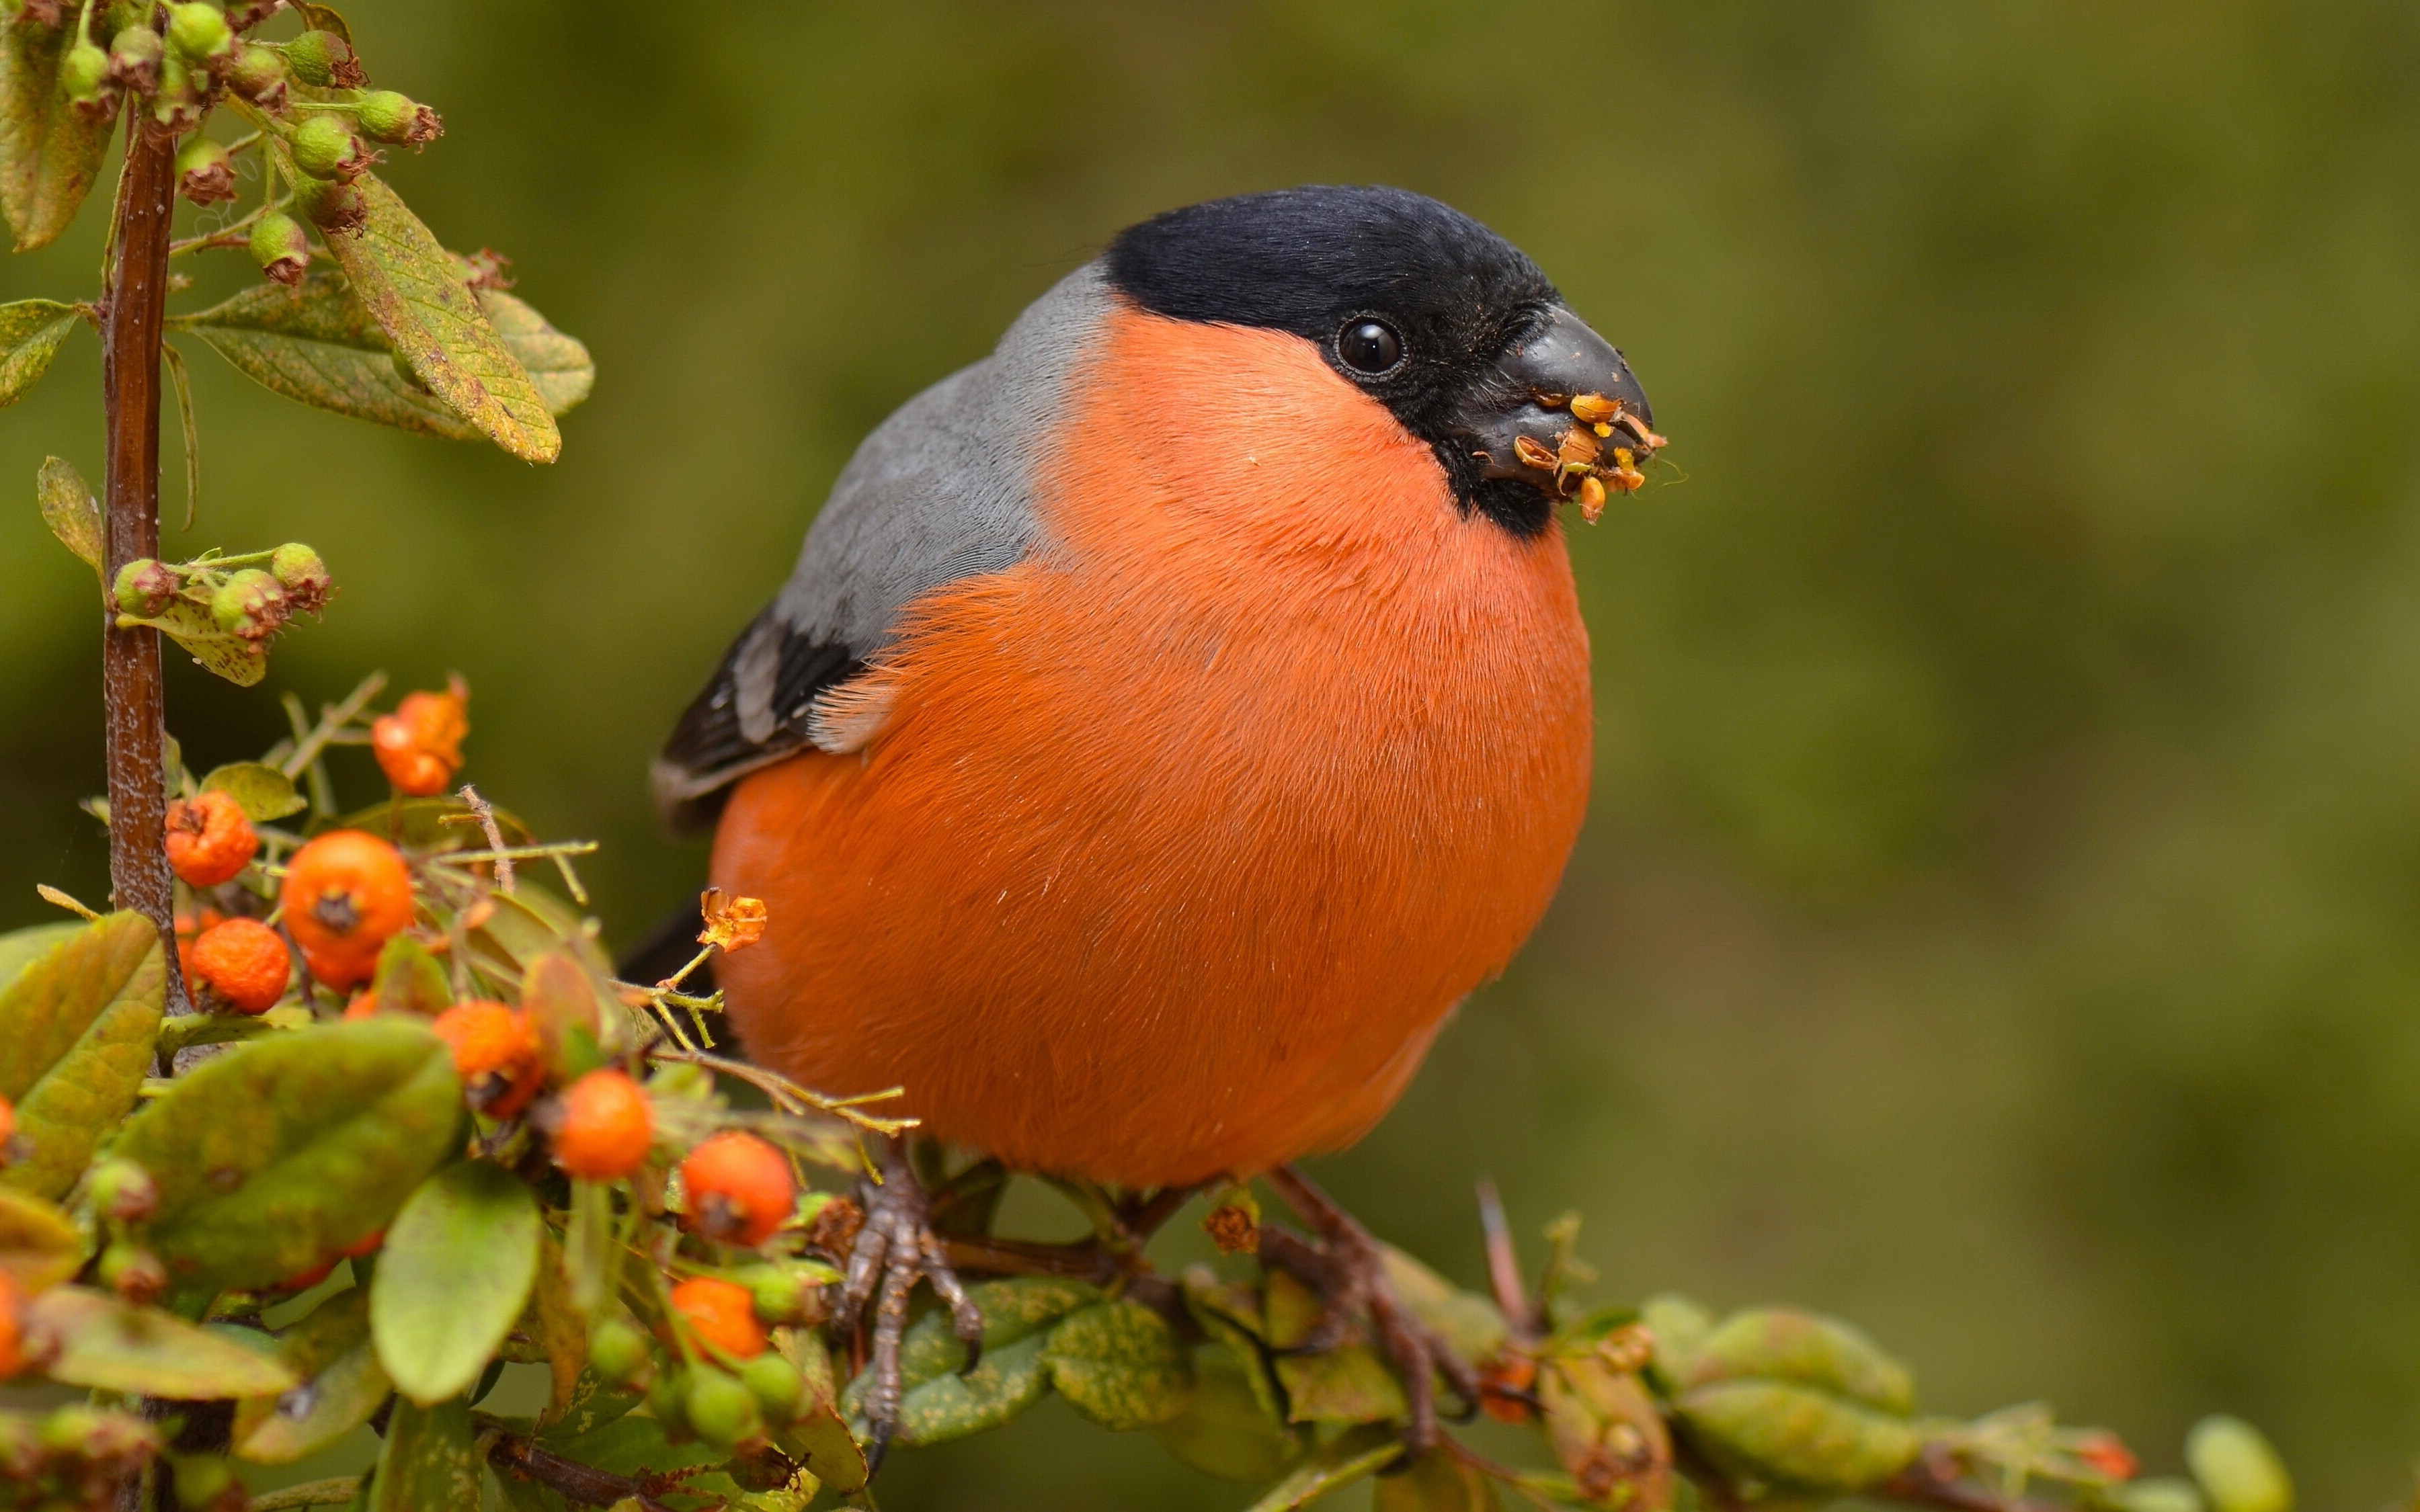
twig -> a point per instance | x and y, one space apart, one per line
1936 1484
501 858
790 1097
1086 1261
585 1484
332 717
1504 1265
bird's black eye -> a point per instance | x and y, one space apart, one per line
1370 347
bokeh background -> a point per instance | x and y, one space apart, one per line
1999 917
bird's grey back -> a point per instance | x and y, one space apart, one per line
941 490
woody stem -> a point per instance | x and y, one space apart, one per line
133 307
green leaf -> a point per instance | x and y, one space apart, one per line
78 1024
262 792
1606 1430
2237 1468
40 1246
1346 1384
1226 1428
1005 1383
1778 1344
1356 1454
31 333
819 1440
1468 1322
1797 1435
70 511
410 980
632 1446
459 1261
48 155
1120 1365
562 1328
277 1155
430 1460
1679 1326
1013 1311
112 1345
318 344
239 661
412 290
1438 1481
342 1385
326 18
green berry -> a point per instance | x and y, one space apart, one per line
199 31
257 73
335 208
205 173
323 58
721 1410
298 570
134 57
668 1402
388 117
250 603
145 589
617 1351
133 1272
121 1189
279 245
776 1385
84 72
325 148
201 1479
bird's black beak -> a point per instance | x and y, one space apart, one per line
1562 410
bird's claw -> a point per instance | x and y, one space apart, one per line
894 1249
1345 1265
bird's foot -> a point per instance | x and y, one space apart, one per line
894 1249
1346 1267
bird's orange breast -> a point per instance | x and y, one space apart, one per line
1179 839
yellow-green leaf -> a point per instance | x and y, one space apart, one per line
112 1345
1468 1322
262 792
459 1261
2237 1468
48 155
1014 1309
318 344
20 948
1119 1364
410 287
1226 1428
1361 1452
76 1031
342 1385
1006 1383
1780 1344
38 1245
70 511
274 1156
1797 1435
1346 1384
1438 1481
430 1460
410 980
239 661
31 333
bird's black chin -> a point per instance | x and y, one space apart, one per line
1518 505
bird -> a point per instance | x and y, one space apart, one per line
1173 715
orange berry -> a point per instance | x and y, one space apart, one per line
419 746
304 1280
187 927
210 841
360 1005
347 893
362 1248
12 1326
243 964
607 1127
722 1313
495 1052
739 1188
7 1127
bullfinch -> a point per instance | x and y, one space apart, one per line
1174 715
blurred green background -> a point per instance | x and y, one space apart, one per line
1999 918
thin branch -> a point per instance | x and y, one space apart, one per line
789 1095
332 717
501 858
335 1491
585 1484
